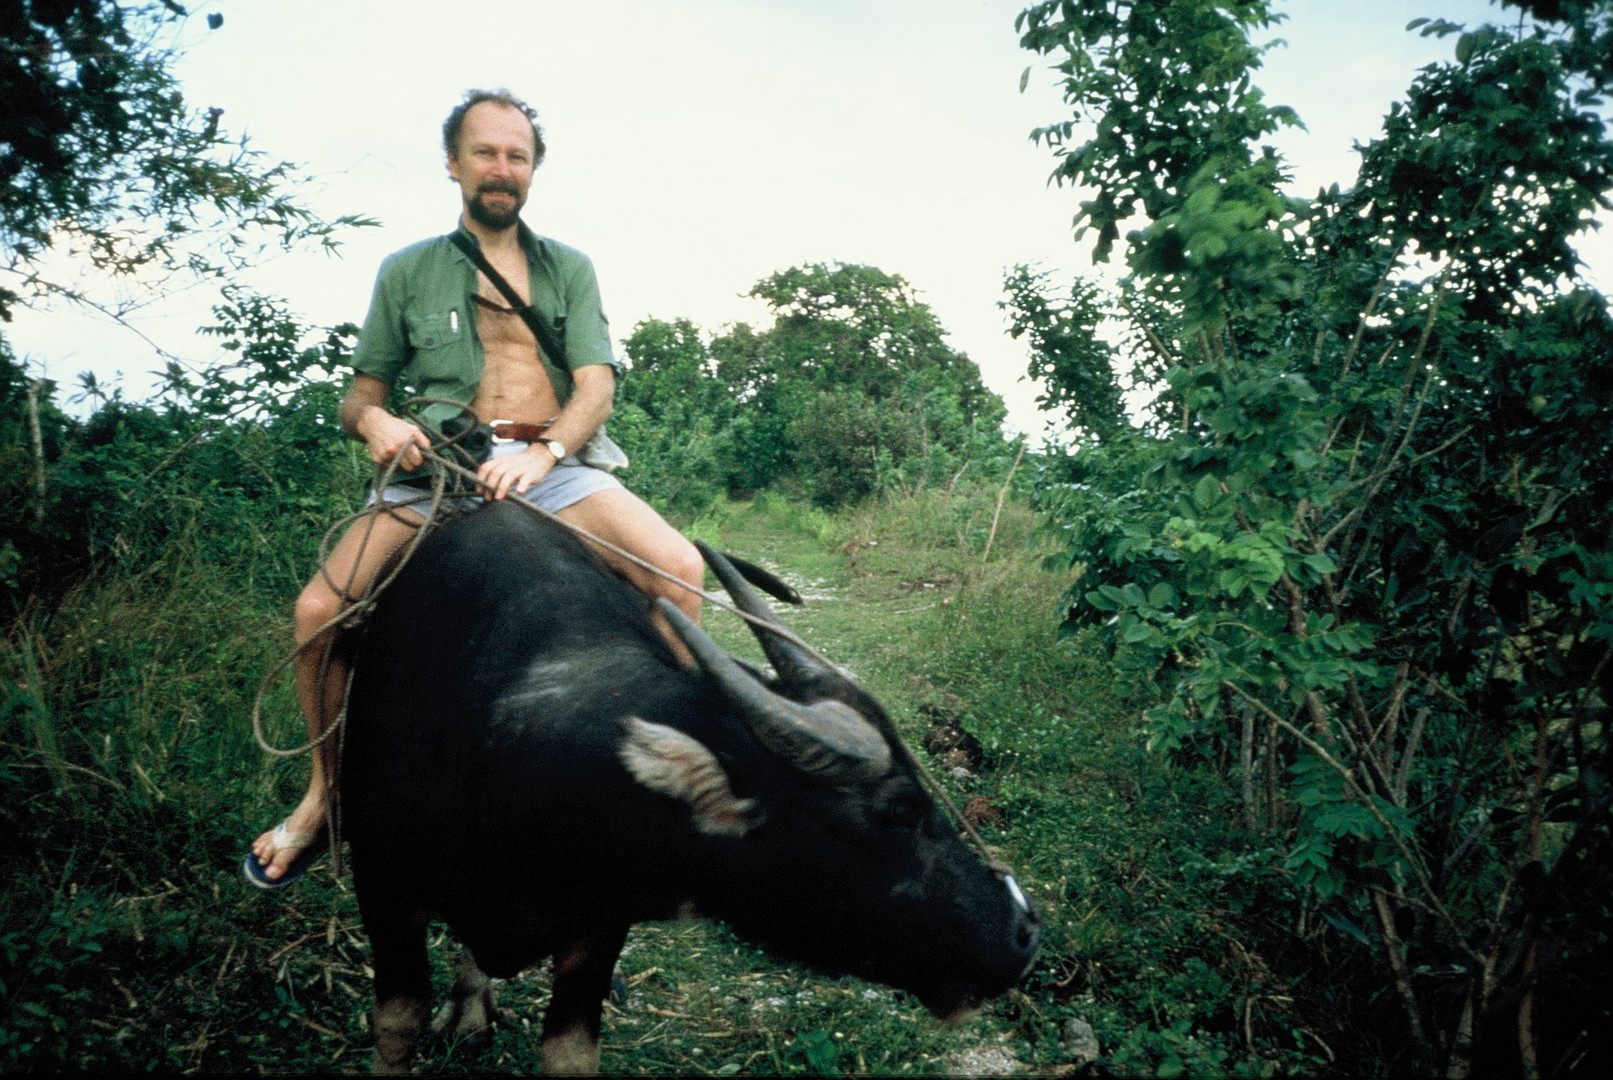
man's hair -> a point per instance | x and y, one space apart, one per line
456 120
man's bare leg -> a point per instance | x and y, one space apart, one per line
352 565
622 518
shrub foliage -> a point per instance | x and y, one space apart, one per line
1360 547
853 390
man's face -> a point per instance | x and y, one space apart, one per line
493 166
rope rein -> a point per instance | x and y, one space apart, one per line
356 615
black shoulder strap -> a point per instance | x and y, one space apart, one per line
546 340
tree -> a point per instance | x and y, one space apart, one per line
852 390
673 417
854 385
1068 359
1367 561
102 159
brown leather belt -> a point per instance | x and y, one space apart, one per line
505 431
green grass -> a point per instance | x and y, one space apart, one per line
131 785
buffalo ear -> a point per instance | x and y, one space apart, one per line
671 763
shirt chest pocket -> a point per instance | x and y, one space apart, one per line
437 345
431 329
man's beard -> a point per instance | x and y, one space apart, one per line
488 217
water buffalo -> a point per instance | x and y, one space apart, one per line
526 760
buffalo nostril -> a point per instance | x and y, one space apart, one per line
1025 935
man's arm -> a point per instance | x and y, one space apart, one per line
590 406
364 417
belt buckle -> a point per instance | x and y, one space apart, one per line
499 440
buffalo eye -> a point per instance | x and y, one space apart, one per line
902 813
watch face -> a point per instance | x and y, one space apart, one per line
558 449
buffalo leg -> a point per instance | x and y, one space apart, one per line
582 972
398 1024
402 981
470 1008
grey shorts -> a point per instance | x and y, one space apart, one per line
568 483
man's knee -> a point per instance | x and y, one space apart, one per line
316 605
677 563
690 566
683 562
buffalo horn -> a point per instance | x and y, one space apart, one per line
828 739
794 665
763 578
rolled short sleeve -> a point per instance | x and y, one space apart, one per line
382 349
587 329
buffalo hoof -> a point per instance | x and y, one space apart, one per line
468 1015
574 1052
398 1024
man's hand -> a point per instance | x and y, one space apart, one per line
392 439
514 472
389 438
589 407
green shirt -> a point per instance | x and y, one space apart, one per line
421 326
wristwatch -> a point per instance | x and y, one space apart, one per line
556 447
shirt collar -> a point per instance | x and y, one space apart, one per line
530 241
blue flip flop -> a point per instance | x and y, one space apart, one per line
256 873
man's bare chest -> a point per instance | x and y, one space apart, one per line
514 383
501 328
499 325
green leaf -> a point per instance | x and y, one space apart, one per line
1209 245
1320 562
1136 633
1100 599
1339 922
1203 199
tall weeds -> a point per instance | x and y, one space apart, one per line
129 779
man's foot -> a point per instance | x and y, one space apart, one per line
282 855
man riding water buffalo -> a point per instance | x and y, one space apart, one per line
441 326
541 752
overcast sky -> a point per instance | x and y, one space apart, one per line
696 146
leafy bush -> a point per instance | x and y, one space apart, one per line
1361 552
852 391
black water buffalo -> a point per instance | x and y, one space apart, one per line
526 760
